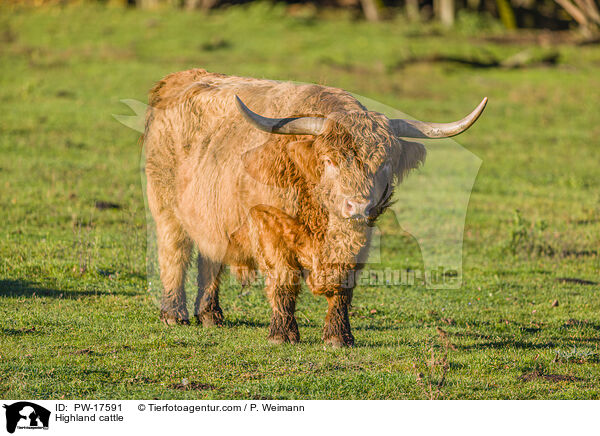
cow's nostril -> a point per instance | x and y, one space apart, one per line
354 209
348 208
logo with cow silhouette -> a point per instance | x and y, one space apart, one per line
24 415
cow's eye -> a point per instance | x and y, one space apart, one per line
328 162
330 168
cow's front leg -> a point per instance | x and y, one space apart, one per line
337 323
282 297
279 239
329 282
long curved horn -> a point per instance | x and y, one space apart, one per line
419 129
283 126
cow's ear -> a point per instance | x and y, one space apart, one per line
408 156
303 155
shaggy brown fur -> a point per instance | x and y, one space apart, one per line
255 200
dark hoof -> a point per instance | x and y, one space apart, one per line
169 318
339 341
281 336
279 339
210 319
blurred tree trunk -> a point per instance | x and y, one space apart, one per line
474 4
371 9
507 15
200 4
444 9
585 12
412 10
147 4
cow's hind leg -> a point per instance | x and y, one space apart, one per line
207 309
174 247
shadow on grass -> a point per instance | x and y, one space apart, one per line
575 323
19 332
523 345
378 328
570 341
25 288
509 344
245 323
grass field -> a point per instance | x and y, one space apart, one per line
77 321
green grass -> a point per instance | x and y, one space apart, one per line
77 321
